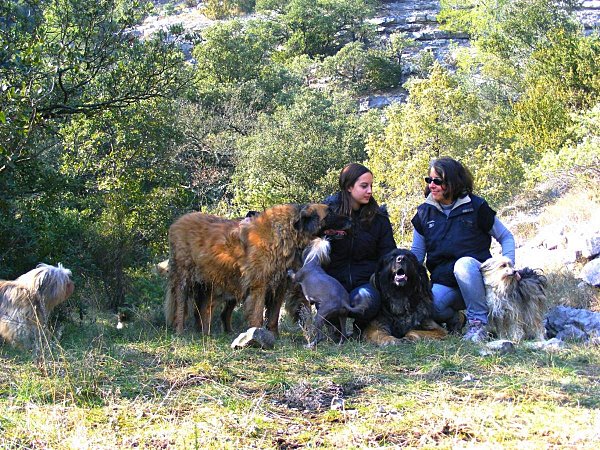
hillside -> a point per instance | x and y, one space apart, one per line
143 387
416 18
105 140
556 229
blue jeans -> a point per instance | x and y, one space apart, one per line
469 295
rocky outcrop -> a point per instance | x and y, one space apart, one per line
568 323
591 272
417 19
588 14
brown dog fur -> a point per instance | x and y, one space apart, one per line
516 300
211 257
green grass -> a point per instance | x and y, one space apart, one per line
142 387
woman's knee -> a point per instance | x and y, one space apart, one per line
466 267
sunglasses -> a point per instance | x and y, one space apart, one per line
436 181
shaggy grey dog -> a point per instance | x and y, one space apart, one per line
516 300
26 303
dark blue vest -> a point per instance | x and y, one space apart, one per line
464 232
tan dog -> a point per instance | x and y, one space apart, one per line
26 303
211 256
516 300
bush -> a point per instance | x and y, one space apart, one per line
223 9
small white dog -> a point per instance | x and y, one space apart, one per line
26 303
516 300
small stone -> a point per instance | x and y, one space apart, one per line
255 337
337 404
498 347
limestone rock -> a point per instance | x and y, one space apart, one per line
566 323
255 337
591 272
498 347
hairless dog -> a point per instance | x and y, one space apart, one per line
325 292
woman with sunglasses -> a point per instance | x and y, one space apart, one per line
454 228
354 255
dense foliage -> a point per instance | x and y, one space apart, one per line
105 138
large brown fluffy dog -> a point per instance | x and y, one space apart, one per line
26 302
406 301
211 257
516 300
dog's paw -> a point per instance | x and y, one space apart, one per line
390 340
311 345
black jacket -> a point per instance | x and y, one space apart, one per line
464 232
354 256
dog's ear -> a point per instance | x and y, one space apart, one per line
374 282
487 265
309 220
424 283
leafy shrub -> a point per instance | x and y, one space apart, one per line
289 155
442 117
223 9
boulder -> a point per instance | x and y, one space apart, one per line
566 323
591 272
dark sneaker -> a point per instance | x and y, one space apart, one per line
476 331
456 323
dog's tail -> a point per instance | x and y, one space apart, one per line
295 302
169 308
532 284
533 274
319 249
357 311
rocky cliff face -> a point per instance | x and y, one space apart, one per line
415 18
589 15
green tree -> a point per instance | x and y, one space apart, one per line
441 118
359 68
68 57
127 187
295 153
532 60
236 51
322 27
63 61
221 9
